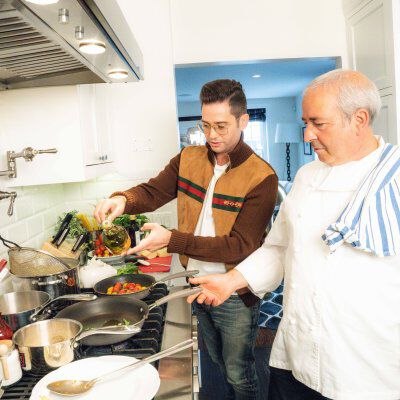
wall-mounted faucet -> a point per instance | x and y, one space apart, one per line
28 154
11 196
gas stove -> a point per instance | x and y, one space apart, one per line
144 344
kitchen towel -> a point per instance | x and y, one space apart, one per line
371 221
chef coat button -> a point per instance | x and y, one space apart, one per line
292 321
300 215
293 286
315 293
296 249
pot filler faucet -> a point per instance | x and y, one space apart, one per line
28 154
11 196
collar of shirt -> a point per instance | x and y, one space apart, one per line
346 177
237 156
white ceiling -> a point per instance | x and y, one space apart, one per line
286 78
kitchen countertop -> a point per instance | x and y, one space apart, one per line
175 268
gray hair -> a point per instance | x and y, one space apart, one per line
354 91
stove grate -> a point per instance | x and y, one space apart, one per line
144 344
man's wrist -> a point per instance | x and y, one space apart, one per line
120 196
236 280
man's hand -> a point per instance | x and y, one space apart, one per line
110 208
158 238
217 288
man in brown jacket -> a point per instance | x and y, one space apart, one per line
226 196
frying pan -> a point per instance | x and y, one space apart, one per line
149 281
110 310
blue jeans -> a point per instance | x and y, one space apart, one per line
229 332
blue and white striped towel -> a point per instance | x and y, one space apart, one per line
371 221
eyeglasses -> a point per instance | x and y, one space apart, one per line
221 130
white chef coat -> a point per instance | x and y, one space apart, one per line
340 331
206 227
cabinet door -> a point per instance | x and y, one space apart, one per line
94 120
385 124
370 39
102 113
87 111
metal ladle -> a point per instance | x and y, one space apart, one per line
70 387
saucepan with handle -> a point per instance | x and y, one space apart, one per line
22 308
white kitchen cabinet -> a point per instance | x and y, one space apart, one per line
95 123
373 50
72 119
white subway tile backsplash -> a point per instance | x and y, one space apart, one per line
32 243
49 218
38 207
4 234
35 225
48 234
72 191
94 190
40 202
82 206
5 219
23 207
18 232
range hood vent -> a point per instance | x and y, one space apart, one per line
36 49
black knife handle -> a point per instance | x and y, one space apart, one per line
62 237
66 221
79 242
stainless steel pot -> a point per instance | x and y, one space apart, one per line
22 308
46 345
55 285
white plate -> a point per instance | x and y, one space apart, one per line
139 384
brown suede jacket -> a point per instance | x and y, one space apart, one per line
248 227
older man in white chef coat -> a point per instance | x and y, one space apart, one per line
340 333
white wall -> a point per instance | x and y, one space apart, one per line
206 31
230 30
142 110
147 109
35 214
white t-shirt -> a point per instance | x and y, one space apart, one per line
205 227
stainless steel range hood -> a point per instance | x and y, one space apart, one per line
41 45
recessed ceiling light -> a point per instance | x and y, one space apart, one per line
92 47
256 76
118 74
42 2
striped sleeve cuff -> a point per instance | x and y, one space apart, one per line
177 243
130 199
